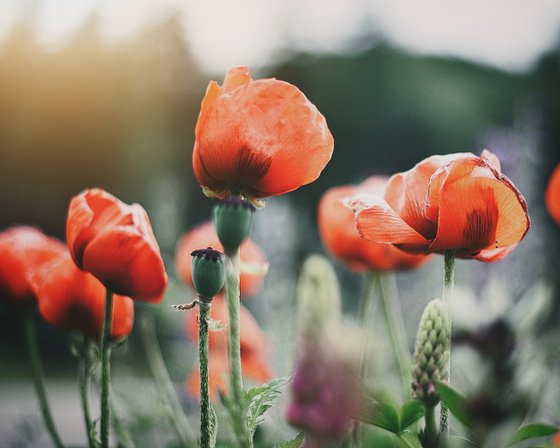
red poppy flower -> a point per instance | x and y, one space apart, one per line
204 235
258 138
115 242
75 300
552 195
458 201
23 250
341 238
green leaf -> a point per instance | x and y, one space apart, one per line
381 414
411 412
296 442
213 427
455 402
531 431
410 440
259 399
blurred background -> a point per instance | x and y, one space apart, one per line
106 94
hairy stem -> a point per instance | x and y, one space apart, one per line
38 376
204 316
106 369
85 381
162 378
448 283
235 372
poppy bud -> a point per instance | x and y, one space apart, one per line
431 353
233 218
208 272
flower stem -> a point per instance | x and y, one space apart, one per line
85 381
38 376
204 316
448 283
397 331
162 379
430 431
235 372
106 370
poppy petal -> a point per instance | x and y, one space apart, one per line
552 195
478 209
377 221
123 259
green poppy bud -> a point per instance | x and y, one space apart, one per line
233 219
208 272
431 354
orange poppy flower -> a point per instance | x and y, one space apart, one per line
556 438
552 195
75 300
115 242
341 238
458 201
23 250
204 235
258 138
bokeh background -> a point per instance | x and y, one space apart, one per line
106 93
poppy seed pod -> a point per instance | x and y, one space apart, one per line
233 219
209 272
431 353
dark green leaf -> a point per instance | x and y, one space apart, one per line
259 399
411 412
213 427
381 414
455 402
296 442
531 431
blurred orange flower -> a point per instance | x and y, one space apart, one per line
115 242
458 201
341 238
254 348
204 235
75 300
23 250
258 138
552 195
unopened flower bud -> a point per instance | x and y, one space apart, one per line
233 219
431 353
208 272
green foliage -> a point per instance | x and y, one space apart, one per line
296 442
531 431
455 402
259 399
386 416
213 427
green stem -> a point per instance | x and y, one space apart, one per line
448 283
204 317
397 331
162 378
38 376
235 372
365 315
85 381
106 369
430 431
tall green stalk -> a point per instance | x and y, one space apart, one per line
235 372
430 431
204 316
38 376
106 370
448 283
162 379
397 330
84 378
